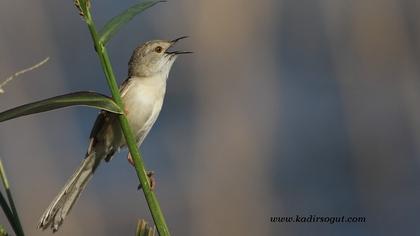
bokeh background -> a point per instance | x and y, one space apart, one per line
287 107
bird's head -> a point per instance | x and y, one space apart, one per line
153 57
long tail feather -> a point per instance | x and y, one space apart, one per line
59 208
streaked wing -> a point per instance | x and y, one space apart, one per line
104 118
125 86
97 126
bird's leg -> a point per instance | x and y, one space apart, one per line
152 181
150 174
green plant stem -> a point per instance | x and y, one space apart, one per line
15 213
10 212
150 196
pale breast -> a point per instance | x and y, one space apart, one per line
143 101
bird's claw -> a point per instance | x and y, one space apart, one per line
150 175
152 181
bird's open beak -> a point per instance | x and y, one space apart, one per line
173 42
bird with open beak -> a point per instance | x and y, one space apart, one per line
142 95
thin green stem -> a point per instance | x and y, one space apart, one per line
150 196
10 211
15 213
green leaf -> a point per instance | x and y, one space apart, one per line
112 26
82 98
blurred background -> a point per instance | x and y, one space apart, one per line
287 107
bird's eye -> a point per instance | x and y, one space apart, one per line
158 49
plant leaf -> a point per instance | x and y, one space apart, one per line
112 26
83 98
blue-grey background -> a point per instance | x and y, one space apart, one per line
287 107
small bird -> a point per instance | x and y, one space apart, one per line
142 94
